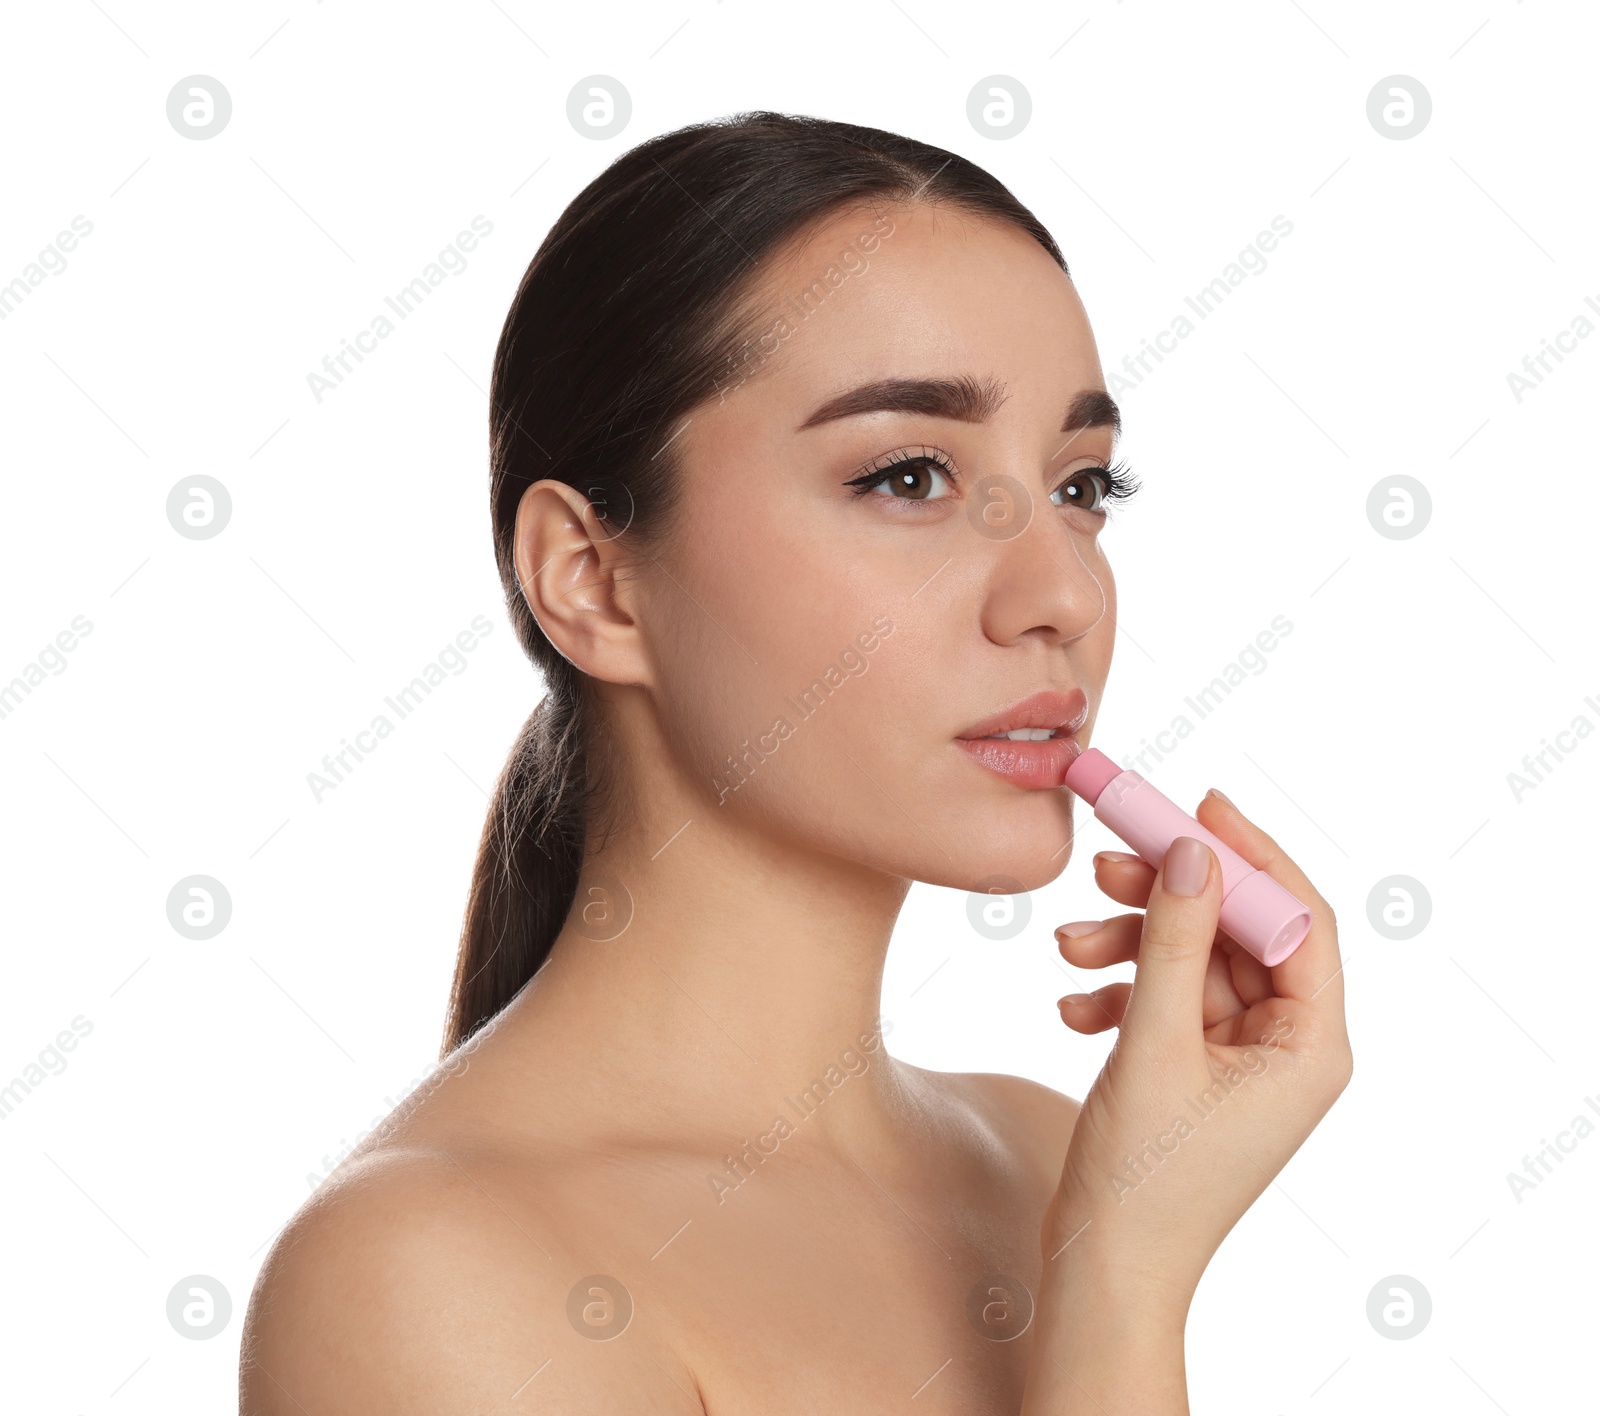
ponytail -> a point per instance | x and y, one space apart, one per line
527 867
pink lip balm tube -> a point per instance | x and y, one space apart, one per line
1257 911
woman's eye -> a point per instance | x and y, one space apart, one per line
1093 487
1088 489
915 478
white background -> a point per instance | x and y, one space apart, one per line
219 1075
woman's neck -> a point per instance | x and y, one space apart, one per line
716 983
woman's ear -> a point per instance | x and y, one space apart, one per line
571 566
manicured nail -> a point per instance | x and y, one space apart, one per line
1183 869
1114 857
1212 791
1078 928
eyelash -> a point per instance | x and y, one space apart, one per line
1119 480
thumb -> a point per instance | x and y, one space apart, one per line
1165 1007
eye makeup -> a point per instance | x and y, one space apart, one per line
907 466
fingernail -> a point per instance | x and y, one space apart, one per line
1078 928
1212 791
1184 868
1114 857
1072 998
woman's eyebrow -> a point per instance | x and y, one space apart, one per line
966 399
1093 408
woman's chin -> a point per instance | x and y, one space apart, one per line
1031 865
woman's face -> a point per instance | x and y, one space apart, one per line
819 649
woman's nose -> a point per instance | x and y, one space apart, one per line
1046 576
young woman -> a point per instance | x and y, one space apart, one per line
800 454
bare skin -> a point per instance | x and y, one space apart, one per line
578 1136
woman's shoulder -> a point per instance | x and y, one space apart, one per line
1024 1115
415 1279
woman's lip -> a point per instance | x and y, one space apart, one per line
1037 765
1048 708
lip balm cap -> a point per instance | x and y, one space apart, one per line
1089 773
1259 908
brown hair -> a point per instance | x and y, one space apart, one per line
626 319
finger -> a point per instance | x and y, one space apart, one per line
1164 1011
1125 878
1128 878
1097 1011
1314 970
1220 998
1116 941
1252 979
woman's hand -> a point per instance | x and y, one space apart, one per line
1221 1069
